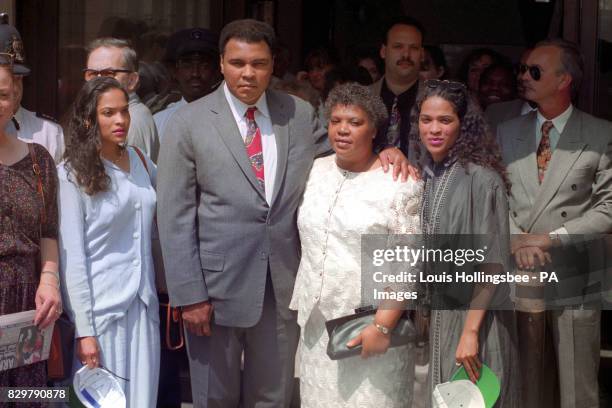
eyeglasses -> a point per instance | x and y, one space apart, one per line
450 85
534 71
6 59
107 72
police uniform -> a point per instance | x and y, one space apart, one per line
30 128
26 125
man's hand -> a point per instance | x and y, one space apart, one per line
526 257
393 155
541 241
197 318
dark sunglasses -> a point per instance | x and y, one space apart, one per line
109 72
534 71
450 85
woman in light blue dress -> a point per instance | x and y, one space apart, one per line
107 203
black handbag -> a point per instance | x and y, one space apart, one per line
344 329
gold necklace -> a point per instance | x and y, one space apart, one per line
115 161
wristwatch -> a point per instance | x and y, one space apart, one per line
383 329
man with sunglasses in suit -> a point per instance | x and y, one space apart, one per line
560 166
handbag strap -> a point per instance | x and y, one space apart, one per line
39 184
142 159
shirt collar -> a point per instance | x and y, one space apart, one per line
241 107
560 121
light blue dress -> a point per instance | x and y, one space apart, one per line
108 280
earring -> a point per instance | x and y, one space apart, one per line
87 124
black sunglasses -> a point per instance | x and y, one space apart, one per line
534 71
450 85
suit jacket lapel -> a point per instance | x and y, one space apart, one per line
567 151
280 125
230 135
525 148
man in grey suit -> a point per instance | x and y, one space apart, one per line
232 172
560 165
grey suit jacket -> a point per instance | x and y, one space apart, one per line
219 236
576 192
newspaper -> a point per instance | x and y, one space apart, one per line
21 342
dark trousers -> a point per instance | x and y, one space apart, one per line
266 378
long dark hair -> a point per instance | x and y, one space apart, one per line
83 143
474 144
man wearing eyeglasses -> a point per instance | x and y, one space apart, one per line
112 57
560 167
193 58
26 125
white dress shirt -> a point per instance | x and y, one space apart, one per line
268 142
33 129
105 246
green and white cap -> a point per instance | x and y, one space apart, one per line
460 392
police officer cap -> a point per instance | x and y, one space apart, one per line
10 43
191 40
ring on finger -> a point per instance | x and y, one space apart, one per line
458 364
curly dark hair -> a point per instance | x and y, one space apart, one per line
82 153
354 94
474 144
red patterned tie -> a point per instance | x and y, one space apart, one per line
544 153
253 146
